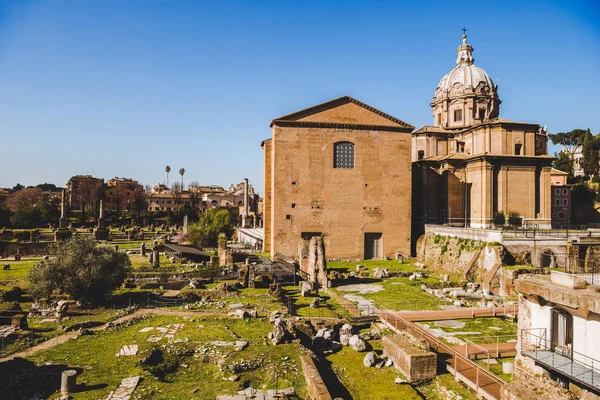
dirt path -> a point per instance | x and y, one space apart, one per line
50 343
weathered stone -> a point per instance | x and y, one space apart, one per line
127 350
279 331
346 329
412 361
357 343
68 381
345 339
370 359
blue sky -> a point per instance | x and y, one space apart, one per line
123 88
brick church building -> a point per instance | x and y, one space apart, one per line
368 182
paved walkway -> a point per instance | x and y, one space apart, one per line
459 313
507 349
477 378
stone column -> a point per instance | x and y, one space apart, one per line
62 222
246 198
68 381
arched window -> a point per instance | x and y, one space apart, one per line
343 155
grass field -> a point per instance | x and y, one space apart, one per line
490 329
329 308
17 276
196 378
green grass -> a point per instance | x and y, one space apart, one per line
505 329
402 294
370 265
521 267
17 276
41 331
329 308
496 369
369 383
199 379
430 391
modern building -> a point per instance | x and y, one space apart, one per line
340 169
472 164
561 200
559 327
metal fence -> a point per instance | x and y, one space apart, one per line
587 268
536 344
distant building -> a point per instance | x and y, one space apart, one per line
162 198
84 192
561 200
120 194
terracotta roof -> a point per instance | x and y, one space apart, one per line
558 172
336 103
434 129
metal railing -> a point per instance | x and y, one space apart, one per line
587 268
401 325
562 359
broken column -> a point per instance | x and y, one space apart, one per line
313 263
68 381
155 257
101 233
223 252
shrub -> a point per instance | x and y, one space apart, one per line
81 268
499 218
514 219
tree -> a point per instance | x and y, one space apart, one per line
81 268
211 223
181 172
167 170
16 188
564 163
590 155
514 219
141 200
177 191
32 207
571 141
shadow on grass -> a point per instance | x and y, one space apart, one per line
23 379
334 385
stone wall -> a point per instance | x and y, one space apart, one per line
446 254
25 249
316 386
414 363
309 196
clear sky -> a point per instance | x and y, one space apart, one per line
124 88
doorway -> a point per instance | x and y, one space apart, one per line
373 246
562 333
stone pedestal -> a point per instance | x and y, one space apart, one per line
68 381
101 234
62 235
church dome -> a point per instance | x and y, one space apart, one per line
466 95
466 75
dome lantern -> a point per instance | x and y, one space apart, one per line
465 96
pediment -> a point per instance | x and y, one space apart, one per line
344 111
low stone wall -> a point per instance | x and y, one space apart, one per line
25 249
316 386
414 363
483 235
